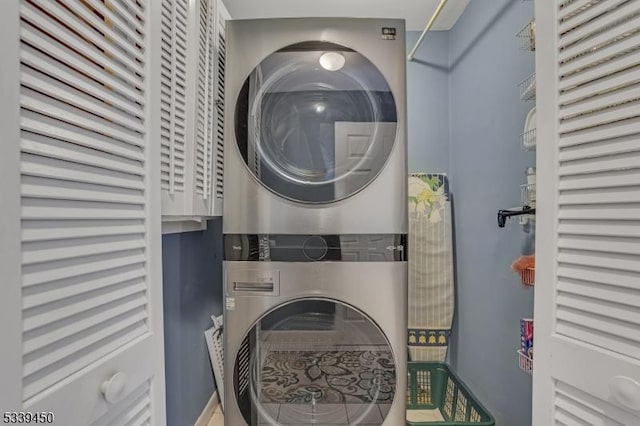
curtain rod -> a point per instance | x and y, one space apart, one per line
436 13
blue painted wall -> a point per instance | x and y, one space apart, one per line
486 168
192 281
428 103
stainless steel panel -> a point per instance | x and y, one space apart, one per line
381 206
379 290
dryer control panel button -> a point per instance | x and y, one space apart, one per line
315 247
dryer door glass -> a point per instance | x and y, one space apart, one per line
315 361
315 122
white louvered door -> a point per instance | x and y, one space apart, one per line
192 98
202 141
222 15
86 295
587 313
207 141
174 109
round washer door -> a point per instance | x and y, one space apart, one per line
315 122
314 361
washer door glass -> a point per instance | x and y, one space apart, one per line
315 361
315 122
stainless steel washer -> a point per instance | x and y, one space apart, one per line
315 343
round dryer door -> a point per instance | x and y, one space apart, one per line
315 361
315 122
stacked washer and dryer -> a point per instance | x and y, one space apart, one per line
315 222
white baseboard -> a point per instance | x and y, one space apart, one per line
208 410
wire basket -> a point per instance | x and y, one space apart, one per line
527 220
528 140
528 88
525 266
526 37
528 276
525 362
433 387
528 194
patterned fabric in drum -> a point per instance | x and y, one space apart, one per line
329 377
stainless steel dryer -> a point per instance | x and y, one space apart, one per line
315 343
315 127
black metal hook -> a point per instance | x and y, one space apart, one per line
503 215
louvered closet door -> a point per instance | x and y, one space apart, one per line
174 108
587 314
209 107
202 141
222 15
90 283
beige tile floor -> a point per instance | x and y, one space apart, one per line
217 419
416 416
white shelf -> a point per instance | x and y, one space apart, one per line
528 194
528 140
526 37
525 363
528 88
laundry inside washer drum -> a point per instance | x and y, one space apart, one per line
291 363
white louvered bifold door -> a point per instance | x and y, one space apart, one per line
90 285
191 94
202 140
206 142
587 313
218 139
173 101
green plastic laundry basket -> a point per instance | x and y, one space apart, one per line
432 385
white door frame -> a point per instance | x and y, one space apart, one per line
546 209
10 238
154 210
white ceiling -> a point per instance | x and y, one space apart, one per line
416 12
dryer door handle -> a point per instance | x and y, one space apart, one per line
260 287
